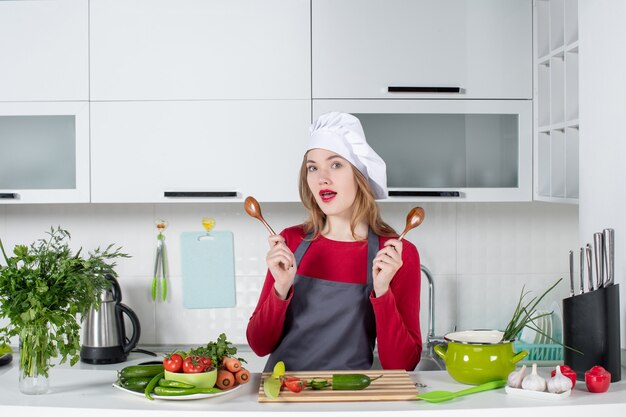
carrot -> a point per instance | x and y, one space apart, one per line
225 379
232 364
242 376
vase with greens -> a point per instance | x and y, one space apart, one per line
45 289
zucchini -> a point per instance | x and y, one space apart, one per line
140 371
352 381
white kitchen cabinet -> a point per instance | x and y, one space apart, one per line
44 152
448 150
362 48
44 50
150 152
200 49
556 101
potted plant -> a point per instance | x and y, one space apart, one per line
44 289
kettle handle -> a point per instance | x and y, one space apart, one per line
132 343
115 288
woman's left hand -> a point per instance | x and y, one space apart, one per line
386 263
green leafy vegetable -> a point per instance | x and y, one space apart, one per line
44 287
216 350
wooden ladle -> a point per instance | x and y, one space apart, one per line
254 210
413 219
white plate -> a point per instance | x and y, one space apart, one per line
178 397
538 395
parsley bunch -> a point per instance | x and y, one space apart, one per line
43 290
216 350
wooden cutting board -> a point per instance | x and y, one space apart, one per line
395 385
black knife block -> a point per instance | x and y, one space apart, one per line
591 325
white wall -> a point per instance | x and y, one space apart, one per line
480 254
602 44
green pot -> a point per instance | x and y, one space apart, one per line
475 357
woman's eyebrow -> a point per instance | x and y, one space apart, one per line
328 159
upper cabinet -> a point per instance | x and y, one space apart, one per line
463 49
44 49
556 101
44 152
200 49
197 151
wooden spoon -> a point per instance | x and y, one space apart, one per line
254 210
413 219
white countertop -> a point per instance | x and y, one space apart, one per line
86 390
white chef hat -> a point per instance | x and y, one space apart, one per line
343 134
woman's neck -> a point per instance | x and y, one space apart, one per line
338 228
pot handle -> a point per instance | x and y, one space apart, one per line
441 351
518 357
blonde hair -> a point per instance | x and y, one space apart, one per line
364 209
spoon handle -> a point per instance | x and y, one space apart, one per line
267 226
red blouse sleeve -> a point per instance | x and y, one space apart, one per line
397 315
265 326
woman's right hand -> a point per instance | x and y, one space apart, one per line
282 264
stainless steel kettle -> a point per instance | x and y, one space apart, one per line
104 338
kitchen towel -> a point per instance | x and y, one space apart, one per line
208 269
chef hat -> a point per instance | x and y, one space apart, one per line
343 134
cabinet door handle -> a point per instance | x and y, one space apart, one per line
8 196
410 89
205 194
407 193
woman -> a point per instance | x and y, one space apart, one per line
341 280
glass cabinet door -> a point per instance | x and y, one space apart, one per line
463 150
44 152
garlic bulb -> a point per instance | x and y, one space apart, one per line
534 382
559 383
515 378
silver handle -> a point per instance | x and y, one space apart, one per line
598 247
571 272
589 267
582 270
609 252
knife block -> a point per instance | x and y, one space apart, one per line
591 324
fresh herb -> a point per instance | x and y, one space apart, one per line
217 350
526 314
43 290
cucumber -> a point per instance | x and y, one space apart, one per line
318 383
140 371
352 381
135 384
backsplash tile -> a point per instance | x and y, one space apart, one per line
475 251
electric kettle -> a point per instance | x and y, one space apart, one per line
104 338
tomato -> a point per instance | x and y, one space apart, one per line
205 361
192 365
294 384
173 362
597 379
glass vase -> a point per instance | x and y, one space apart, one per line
34 360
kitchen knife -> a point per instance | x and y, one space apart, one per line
571 272
589 267
582 270
598 246
609 255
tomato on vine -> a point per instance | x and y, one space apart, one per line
173 362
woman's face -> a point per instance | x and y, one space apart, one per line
332 182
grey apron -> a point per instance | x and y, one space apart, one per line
328 325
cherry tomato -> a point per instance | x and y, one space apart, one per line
568 372
294 384
597 379
173 362
205 361
192 365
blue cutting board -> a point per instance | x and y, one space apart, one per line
208 269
